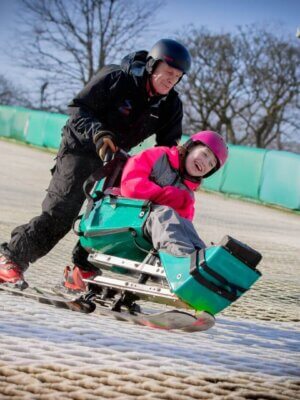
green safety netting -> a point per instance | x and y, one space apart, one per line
35 131
280 183
214 182
6 116
242 173
149 142
19 123
53 130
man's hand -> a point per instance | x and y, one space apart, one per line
104 144
107 144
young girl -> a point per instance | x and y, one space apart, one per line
168 178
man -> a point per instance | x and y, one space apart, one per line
120 107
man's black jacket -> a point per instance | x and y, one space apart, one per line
116 100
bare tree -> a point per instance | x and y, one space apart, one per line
245 85
214 83
273 73
11 95
68 41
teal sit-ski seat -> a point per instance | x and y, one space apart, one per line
113 224
209 280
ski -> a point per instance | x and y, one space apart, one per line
57 301
165 320
170 320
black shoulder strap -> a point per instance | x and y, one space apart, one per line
216 275
110 170
221 291
107 170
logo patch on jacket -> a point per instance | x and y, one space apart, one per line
125 108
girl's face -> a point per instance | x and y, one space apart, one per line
199 161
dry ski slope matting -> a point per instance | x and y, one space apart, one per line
251 353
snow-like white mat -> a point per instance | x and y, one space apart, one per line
46 333
253 352
45 350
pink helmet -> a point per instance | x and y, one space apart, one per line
214 142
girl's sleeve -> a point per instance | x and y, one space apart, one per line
136 182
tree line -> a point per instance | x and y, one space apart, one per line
243 84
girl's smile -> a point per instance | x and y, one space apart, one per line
200 160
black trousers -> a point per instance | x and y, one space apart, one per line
60 207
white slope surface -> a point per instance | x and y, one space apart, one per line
32 332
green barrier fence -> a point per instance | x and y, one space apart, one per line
267 176
35 131
19 123
6 116
280 180
241 174
243 171
53 130
215 181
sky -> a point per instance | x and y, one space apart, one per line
225 15
216 15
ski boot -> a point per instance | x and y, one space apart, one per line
11 273
73 279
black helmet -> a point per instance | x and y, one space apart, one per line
173 53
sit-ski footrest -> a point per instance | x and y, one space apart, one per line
106 261
155 294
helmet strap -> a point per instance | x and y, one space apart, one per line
150 65
150 88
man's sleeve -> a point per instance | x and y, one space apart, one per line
169 134
89 108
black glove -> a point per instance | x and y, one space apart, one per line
104 142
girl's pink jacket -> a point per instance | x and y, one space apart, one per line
153 175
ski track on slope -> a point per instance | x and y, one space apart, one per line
36 332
